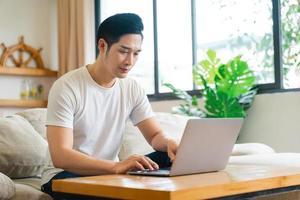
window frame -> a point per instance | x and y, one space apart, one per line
275 87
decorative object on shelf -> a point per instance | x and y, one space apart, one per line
228 89
22 60
25 89
16 55
31 90
40 91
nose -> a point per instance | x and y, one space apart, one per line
129 59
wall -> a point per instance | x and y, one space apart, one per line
36 20
164 106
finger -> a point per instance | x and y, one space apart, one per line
172 149
147 163
138 165
171 154
144 162
141 160
154 164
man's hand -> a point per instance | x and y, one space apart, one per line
134 162
172 146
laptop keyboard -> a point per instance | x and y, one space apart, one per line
148 172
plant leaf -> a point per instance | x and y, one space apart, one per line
237 78
219 104
211 54
207 68
227 88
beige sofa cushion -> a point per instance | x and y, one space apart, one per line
7 187
29 188
29 193
37 118
23 151
34 182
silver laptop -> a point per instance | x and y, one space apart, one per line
205 146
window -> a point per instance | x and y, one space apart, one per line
143 71
177 34
174 43
290 20
233 27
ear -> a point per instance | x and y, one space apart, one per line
102 46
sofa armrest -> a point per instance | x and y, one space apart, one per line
251 148
275 159
7 187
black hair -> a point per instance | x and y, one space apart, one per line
114 27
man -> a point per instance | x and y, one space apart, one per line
88 108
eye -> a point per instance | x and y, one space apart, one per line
123 51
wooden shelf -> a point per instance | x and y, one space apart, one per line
18 71
20 103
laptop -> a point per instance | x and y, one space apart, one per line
205 146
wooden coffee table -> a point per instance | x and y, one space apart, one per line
234 180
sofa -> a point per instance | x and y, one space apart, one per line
24 151
23 155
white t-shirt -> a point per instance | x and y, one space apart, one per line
96 114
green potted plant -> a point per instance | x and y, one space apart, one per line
227 89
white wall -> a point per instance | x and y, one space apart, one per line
164 106
36 20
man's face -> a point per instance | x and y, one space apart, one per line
122 55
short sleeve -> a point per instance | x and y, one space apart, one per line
141 107
61 105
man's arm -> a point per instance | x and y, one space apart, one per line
156 138
63 156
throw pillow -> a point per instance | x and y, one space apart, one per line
23 152
135 143
7 187
37 118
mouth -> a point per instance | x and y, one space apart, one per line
124 69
